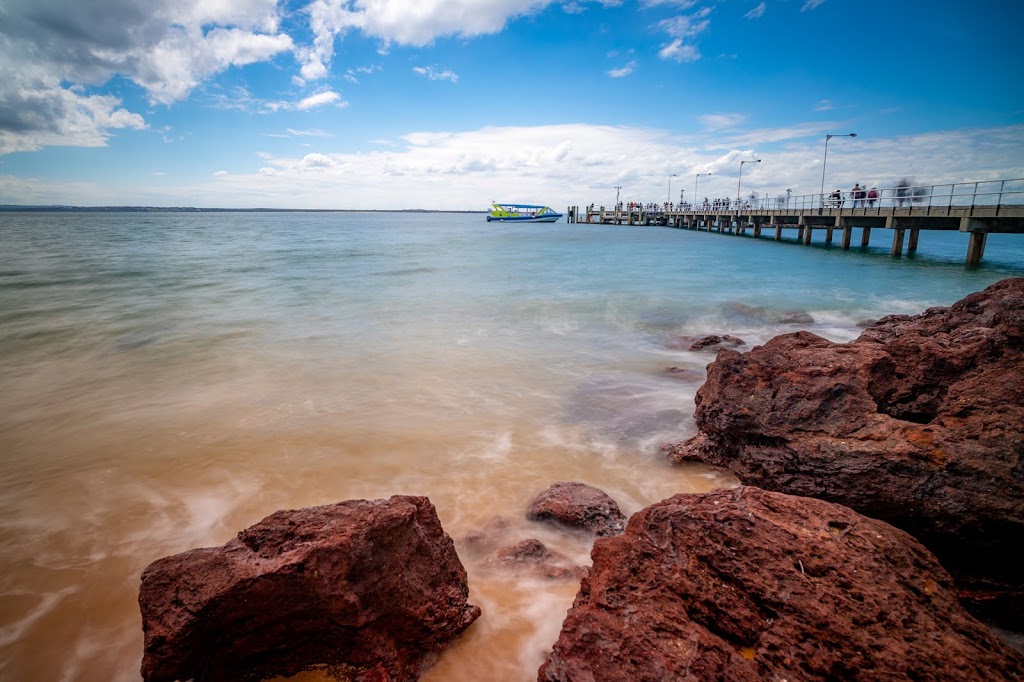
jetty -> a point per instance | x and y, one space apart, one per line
976 209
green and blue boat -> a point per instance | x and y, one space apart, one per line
522 213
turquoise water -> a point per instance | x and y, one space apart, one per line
170 378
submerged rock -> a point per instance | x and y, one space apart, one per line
373 589
580 506
919 422
532 556
745 584
708 342
796 317
686 374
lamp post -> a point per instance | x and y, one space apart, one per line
670 186
824 160
695 186
681 193
741 178
617 188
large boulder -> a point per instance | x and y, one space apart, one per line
746 584
578 506
371 589
919 422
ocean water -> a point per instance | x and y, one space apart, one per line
167 379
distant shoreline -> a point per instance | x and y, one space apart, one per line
192 209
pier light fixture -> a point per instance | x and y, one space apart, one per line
824 160
674 175
741 176
617 188
695 186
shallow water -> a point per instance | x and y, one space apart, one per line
168 379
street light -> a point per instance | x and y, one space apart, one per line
825 159
741 176
695 186
617 188
674 175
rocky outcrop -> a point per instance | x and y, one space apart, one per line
919 422
371 589
579 506
745 584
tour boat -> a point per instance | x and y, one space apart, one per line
522 213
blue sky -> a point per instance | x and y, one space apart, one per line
448 104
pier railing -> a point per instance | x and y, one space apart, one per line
988 193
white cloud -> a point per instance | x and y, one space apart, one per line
561 165
679 52
721 121
623 71
36 111
684 26
220 173
811 4
681 4
682 29
309 133
757 12
435 74
53 53
406 22
824 105
318 100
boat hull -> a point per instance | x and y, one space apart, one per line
546 218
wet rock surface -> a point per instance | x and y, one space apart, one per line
708 342
579 506
919 422
372 590
746 584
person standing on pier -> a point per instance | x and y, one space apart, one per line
872 196
855 195
902 190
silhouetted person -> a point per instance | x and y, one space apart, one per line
902 191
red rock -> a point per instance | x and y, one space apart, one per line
745 584
578 505
370 588
919 422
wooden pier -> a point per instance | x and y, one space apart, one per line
976 221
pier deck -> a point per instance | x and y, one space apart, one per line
805 215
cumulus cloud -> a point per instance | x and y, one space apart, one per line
435 74
52 52
757 12
405 22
